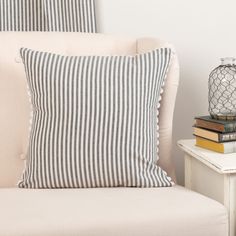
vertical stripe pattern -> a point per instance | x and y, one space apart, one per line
48 15
94 120
70 15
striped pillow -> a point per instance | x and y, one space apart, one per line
94 120
48 15
71 16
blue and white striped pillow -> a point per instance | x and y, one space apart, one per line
95 120
48 15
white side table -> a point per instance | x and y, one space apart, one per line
213 175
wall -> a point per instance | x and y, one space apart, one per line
202 31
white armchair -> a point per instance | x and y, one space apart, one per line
111 211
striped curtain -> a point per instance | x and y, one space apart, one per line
48 15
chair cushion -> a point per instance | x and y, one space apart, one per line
110 212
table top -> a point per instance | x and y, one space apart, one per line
222 163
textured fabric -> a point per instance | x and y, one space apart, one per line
47 15
111 211
14 101
94 120
70 16
22 15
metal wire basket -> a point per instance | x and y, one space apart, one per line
222 90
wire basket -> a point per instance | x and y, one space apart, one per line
222 90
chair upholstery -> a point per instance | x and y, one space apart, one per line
110 212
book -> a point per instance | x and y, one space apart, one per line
213 135
228 147
224 126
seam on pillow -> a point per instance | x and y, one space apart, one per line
30 122
158 110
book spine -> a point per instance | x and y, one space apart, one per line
227 137
230 127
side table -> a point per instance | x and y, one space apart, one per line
213 175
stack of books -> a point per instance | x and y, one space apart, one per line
215 135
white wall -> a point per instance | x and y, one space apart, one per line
202 31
